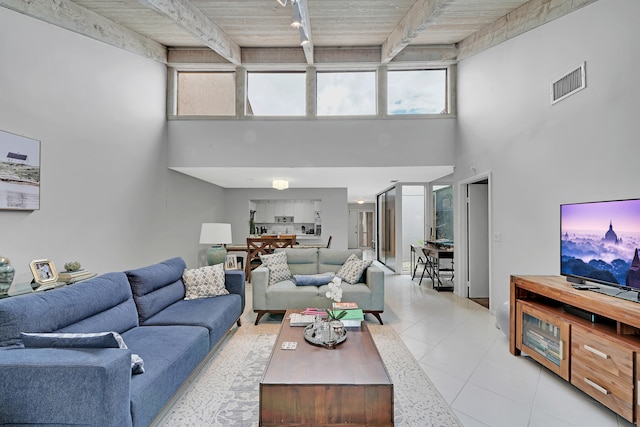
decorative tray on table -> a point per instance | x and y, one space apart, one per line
323 341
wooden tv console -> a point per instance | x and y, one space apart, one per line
585 337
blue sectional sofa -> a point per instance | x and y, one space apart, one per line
95 386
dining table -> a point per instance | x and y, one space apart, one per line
430 256
264 245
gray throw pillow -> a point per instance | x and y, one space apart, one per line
204 282
277 265
352 269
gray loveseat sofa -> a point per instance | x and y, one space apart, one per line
95 386
368 292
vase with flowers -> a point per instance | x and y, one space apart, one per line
336 327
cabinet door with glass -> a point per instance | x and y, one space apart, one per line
544 336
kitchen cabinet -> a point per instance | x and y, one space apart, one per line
260 211
309 211
298 211
278 208
289 208
269 212
302 211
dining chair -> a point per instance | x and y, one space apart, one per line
257 246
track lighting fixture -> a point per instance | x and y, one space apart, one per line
303 37
296 20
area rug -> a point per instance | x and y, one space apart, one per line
225 392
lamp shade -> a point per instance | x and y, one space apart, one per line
215 234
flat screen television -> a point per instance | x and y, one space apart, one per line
600 242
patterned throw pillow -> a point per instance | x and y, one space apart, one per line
76 340
277 265
204 282
352 269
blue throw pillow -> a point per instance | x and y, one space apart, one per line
73 340
312 279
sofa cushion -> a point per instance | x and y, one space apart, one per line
351 271
204 282
216 314
277 265
302 260
170 353
286 294
157 286
102 303
332 259
88 340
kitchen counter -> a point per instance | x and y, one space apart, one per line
298 236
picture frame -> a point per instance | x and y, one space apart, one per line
43 271
20 164
231 263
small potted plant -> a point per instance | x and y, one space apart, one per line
72 266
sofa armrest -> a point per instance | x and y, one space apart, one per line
259 284
374 279
235 283
56 386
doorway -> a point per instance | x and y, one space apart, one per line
360 229
386 242
476 249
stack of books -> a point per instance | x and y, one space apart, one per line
299 319
315 312
74 276
354 316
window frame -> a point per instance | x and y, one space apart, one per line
289 116
311 95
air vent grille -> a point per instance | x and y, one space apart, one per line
569 84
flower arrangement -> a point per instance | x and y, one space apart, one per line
335 293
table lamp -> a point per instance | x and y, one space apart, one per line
217 235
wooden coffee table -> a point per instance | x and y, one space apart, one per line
316 386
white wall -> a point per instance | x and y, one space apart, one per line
107 197
582 149
309 143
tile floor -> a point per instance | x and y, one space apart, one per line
467 358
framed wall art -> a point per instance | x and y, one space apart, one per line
43 271
19 172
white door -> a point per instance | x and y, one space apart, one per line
353 230
478 239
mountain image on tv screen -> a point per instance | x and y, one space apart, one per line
600 242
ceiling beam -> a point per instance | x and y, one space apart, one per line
70 16
203 58
527 17
422 14
193 20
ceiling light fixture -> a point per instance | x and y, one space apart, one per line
360 201
280 184
296 19
303 37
